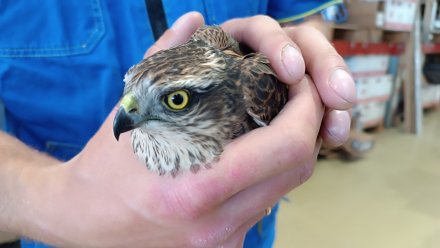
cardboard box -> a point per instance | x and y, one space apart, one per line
362 13
399 15
430 94
371 114
371 35
368 65
376 88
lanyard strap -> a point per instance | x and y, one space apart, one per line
156 14
2 116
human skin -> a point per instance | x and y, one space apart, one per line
105 197
312 50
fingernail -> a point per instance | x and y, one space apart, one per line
293 62
339 126
343 85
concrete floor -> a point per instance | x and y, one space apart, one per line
389 199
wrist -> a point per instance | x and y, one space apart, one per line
36 186
26 191
20 168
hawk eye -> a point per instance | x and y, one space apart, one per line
177 100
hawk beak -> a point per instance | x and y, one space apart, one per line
126 118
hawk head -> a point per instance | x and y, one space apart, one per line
183 105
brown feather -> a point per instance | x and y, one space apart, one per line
234 91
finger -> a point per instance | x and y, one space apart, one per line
223 228
335 129
179 33
263 153
265 35
326 67
267 193
288 141
249 206
237 240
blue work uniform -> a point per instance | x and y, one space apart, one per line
62 65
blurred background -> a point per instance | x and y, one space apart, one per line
381 188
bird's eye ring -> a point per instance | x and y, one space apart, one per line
177 100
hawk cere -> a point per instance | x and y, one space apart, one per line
186 103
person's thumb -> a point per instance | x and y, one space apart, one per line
179 32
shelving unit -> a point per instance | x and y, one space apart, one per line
395 28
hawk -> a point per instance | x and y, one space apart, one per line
186 103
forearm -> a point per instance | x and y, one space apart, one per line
17 161
13 153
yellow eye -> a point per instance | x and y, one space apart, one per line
177 100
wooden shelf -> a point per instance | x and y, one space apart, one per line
429 48
347 48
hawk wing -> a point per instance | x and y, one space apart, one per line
264 95
215 36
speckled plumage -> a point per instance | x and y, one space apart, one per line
230 93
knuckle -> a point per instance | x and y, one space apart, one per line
306 30
211 235
193 201
276 38
306 171
336 58
272 47
183 206
258 19
201 239
298 148
328 58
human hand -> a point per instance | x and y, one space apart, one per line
311 51
105 197
292 51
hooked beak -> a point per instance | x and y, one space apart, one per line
126 118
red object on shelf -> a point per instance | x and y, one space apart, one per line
347 48
428 48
